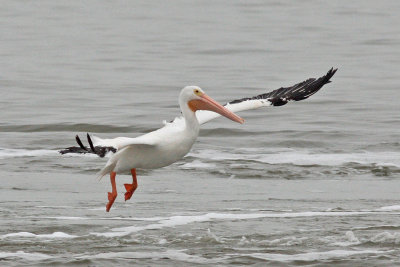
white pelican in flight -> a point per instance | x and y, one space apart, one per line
173 141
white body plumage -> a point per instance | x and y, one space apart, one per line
166 145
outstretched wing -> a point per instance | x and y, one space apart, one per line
101 146
278 97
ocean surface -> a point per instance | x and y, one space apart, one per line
315 182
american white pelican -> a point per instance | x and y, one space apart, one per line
173 141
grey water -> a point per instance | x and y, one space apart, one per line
314 182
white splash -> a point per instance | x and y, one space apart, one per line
24 255
349 239
31 235
386 237
197 164
311 256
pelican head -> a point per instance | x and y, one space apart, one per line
195 98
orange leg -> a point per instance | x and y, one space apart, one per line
113 195
130 188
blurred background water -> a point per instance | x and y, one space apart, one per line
312 182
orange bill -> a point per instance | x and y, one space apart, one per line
207 103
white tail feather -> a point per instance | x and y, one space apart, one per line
110 166
106 170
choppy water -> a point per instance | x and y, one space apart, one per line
313 182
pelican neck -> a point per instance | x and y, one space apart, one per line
191 122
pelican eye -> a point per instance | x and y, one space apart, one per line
197 92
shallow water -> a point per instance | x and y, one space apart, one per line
308 183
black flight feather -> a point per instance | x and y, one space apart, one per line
101 151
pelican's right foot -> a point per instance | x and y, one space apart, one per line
130 189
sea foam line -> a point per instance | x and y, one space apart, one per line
175 255
302 157
24 255
183 220
104 218
47 236
15 153
390 208
311 256
173 221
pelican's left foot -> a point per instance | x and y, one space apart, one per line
112 195
111 199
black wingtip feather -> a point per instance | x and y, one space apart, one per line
101 151
78 140
90 143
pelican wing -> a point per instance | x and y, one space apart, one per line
101 147
120 142
278 97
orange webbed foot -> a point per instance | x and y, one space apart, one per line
111 199
129 191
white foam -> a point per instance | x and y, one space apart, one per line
386 237
55 207
105 218
162 241
150 219
390 208
304 157
19 234
197 164
183 220
243 241
15 153
285 241
67 218
176 255
214 237
351 237
24 255
31 235
349 240
311 256
99 208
